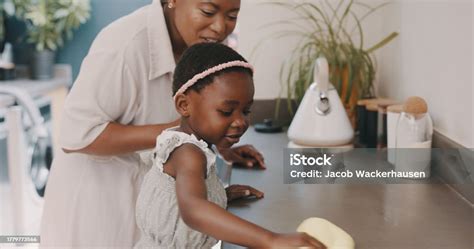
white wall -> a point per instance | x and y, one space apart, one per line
432 57
270 54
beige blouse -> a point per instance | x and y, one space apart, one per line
126 77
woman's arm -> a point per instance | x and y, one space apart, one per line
188 165
121 139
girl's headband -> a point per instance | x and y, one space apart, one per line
210 71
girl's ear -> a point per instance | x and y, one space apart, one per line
181 103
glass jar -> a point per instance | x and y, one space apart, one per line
413 140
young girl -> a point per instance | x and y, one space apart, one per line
182 202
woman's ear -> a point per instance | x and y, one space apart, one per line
181 103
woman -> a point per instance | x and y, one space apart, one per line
120 102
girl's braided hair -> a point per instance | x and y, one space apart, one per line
202 56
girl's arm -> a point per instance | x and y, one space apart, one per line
188 165
119 139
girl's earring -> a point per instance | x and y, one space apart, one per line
170 5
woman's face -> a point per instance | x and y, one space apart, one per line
219 113
205 20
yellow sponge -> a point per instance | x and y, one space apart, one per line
332 236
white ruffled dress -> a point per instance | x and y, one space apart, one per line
157 212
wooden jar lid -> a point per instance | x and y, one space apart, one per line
363 102
415 105
382 102
378 104
372 107
395 108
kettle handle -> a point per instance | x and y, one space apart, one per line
321 74
321 77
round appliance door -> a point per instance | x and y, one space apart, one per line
41 154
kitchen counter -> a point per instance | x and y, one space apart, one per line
377 216
62 78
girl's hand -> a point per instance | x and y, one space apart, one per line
245 155
295 240
240 191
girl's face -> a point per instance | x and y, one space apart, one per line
205 20
219 114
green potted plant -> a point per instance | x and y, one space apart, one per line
334 30
6 9
48 23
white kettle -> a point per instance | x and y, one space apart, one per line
321 119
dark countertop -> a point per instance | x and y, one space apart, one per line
377 216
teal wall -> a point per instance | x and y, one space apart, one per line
74 51
103 13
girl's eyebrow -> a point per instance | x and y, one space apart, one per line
235 102
231 102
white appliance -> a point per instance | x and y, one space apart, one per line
321 120
28 157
